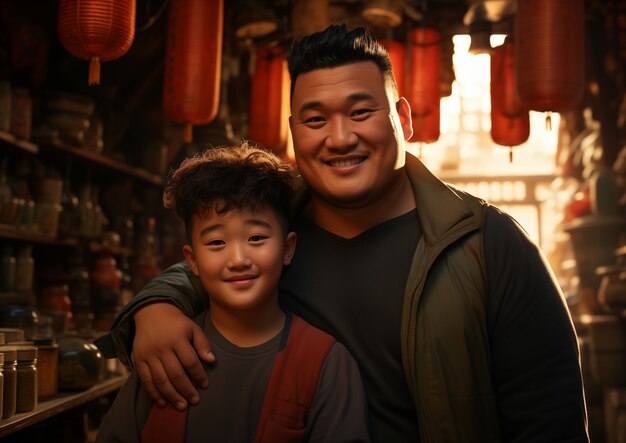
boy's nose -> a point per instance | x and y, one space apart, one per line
238 258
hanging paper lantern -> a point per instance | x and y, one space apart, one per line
423 82
397 55
550 54
193 62
269 100
510 120
96 30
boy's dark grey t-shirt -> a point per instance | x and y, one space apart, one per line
229 408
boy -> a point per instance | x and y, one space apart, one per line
275 378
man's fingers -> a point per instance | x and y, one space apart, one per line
202 345
143 371
159 379
176 379
192 364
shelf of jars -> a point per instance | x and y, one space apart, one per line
95 157
60 403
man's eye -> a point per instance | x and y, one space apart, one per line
361 112
314 120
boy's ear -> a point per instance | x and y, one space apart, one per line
191 258
290 248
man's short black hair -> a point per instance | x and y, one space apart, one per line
336 46
238 177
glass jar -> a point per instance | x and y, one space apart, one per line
26 386
47 367
9 372
1 380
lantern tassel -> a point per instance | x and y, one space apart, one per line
188 133
510 154
94 71
549 121
420 151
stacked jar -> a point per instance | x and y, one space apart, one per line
26 384
9 372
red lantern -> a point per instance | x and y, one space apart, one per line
397 55
510 121
269 102
550 53
193 62
96 30
426 128
423 83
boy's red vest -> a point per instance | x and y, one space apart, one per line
287 400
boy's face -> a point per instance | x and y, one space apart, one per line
239 256
349 134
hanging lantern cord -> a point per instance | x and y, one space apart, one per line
420 151
188 133
94 71
549 121
510 154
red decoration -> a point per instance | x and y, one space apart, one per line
550 53
423 82
193 62
426 128
397 55
269 102
510 120
96 30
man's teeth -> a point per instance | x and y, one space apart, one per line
350 162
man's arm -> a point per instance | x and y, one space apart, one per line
166 343
339 410
536 367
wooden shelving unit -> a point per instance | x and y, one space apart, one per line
58 404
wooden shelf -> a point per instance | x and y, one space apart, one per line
58 404
8 232
10 140
103 160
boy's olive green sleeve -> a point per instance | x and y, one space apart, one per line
177 285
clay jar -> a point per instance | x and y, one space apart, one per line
80 364
106 281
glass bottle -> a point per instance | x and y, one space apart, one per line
26 385
9 372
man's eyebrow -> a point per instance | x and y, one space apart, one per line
352 98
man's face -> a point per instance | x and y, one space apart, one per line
348 134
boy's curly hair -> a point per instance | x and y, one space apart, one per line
239 177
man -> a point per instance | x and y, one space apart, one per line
455 320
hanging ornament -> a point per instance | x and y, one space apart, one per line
397 55
193 62
423 82
510 121
96 30
550 59
269 100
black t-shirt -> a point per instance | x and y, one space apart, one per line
354 289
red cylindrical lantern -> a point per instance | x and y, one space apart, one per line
96 30
269 100
510 121
193 62
426 128
550 53
397 55
423 82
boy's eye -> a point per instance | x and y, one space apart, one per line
257 238
215 243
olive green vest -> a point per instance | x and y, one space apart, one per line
445 346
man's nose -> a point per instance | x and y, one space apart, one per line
341 135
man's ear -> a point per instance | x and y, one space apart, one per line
191 258
404 111
290 248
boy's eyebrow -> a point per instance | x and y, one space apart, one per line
352 98
250 222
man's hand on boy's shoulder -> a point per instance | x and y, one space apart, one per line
171 369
